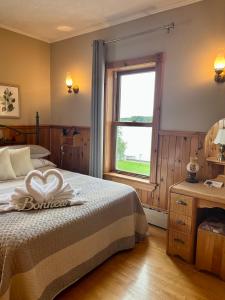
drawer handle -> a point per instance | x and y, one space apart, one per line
181 202
180 222
176 240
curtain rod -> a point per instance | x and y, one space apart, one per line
167 27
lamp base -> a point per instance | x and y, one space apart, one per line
220 77
192 178
221 156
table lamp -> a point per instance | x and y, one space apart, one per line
192 169
220 140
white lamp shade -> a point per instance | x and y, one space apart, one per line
220 137
219 62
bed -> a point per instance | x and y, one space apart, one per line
43 252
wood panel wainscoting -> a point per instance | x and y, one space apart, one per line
75 150
74 155
174 151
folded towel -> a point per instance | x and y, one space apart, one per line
7 207
42 194
4 199
20 206
5 202
46 191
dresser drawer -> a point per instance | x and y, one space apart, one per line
180 222
181 204
180 244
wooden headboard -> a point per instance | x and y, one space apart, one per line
9 134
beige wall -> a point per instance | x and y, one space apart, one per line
191 99
26 62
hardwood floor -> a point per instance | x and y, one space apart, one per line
146 273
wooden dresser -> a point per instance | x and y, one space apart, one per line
181 227
184 201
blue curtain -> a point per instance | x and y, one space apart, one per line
97 109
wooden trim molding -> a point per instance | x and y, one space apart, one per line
111 108
135 124
108 119
156 117
180 133
138 183
68 126
133 63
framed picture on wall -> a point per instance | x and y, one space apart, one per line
9 101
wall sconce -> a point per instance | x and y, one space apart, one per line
69 84
219 66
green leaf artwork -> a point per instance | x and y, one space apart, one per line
7 101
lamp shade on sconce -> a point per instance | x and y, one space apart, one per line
220 137
219 63
69 81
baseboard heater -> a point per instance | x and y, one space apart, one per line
157 218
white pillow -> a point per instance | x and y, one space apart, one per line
36 151
41 162
6 169
21 162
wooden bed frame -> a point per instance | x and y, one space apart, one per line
4 141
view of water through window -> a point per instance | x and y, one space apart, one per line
133 143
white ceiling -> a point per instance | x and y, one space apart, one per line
41 18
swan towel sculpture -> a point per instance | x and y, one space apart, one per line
41 195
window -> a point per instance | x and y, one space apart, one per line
132 100
133 121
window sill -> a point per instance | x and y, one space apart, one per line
139 183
